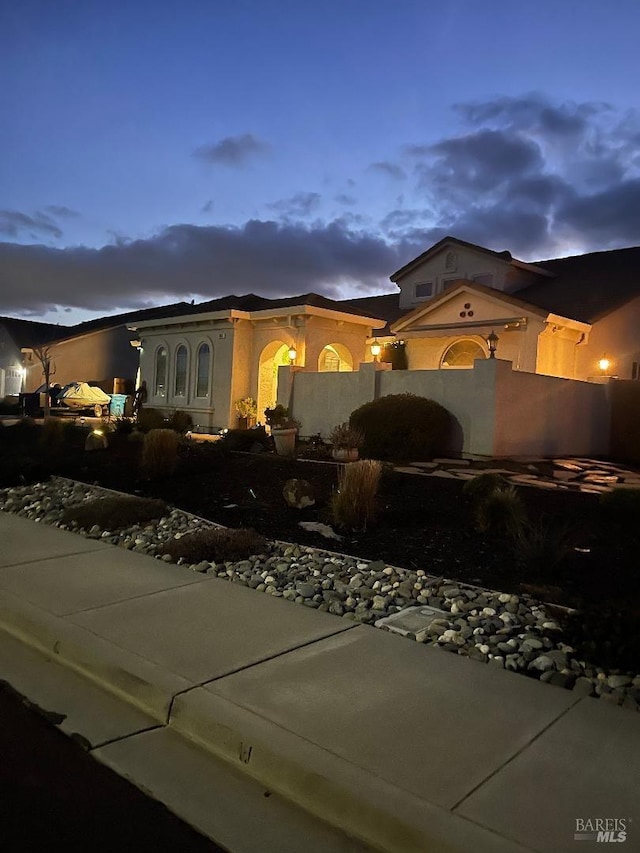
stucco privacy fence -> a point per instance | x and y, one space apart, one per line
498 411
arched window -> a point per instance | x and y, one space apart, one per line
203 363
181 371
334 358
462 354
160 385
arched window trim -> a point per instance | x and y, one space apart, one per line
474 340
156 385
196 378
184 374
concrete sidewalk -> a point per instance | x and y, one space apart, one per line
271 726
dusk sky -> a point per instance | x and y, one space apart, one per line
151 152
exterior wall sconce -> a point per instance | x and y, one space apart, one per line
375 350
604 364
492 343
292 355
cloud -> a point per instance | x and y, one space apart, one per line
346 199
61 210
207 207
14 223
299 205
390 170
266 257
232 150
528 174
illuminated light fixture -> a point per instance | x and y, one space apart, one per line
604 364
292 355
376 349
492 343
97 432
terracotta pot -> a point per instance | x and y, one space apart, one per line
285 441
345 454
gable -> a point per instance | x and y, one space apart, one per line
466 306
436 270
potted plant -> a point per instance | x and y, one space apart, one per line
247 411
345 442
284 429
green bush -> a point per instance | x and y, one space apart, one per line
482 485
217 545
159 453
112 513
402 426
539 548
149 419
353 506
54 433
180 421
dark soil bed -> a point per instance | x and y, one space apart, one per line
423 523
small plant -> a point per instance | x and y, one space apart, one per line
501 511
345 437
244 440
112 513
159 453
53 434
246 408
482 485
539 548
353 506
217 545
278 417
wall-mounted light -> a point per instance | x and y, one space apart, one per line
292 355
604 364
376 349
492 343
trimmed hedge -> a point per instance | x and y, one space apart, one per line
402 426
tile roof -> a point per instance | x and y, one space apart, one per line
29 333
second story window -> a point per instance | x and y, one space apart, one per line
423 290
160 385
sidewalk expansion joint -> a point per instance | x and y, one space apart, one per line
53 557
511 758
128 736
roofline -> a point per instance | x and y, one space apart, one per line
505 256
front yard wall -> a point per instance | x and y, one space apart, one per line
498 411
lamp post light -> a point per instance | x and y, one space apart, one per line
604 364
292 355
375 350
492 343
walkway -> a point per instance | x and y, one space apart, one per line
306 731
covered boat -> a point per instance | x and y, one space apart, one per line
81 395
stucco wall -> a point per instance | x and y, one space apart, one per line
498 411
615 335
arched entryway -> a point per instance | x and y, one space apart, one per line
335 358
462 353
273 356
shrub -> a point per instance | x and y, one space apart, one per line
149 419
159 453
53 433
482 485
540 548
180 421
353 506
123 426
621 505
111 513
500 511
217 545
401 426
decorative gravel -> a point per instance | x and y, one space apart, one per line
513 632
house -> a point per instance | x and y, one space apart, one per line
15 335
97 351
575 317
204 359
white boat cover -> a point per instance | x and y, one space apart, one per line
80 394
